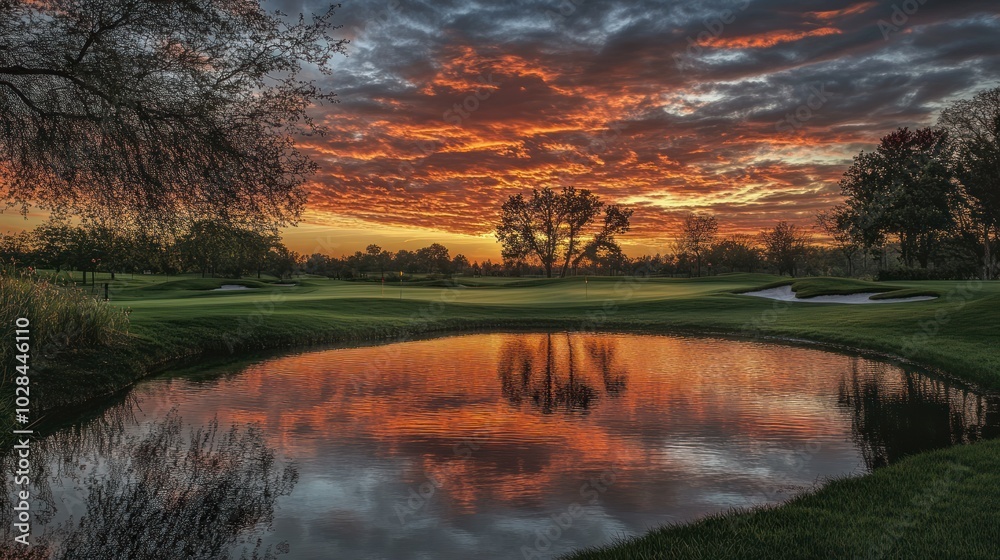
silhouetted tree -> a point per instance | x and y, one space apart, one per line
904 188
377 259
974 128
404 261
201 246
737 252
15 247
281 261
784 245
697 235
53 242
158 109
434 258
550 225
836 223
460 264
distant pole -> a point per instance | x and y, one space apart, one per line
400 285
586 287
106 297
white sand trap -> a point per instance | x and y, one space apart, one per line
785 293
231 287
285 285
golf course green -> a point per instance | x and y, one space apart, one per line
938 504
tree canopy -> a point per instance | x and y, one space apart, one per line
905 189
159 109
784 245
697 235
974 128
550 226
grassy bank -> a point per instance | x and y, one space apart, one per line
935 505
186 318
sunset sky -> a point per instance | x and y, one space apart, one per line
668 107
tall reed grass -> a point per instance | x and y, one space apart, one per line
62 319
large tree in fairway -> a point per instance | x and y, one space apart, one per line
552 226
158 109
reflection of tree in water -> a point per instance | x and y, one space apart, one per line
604 354
163 495
893 420
552 381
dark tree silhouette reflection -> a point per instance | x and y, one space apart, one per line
554 376
604 354
170 493
892 419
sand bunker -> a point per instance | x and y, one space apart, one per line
229 287
785 293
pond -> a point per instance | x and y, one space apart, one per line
502 445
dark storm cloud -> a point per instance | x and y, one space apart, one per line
748 108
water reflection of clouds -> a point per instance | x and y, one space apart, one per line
695 426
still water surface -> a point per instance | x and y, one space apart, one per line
485 446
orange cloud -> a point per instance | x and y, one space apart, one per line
837 14
771 38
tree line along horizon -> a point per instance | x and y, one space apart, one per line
925 204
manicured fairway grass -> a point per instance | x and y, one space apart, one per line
956 332
959 333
